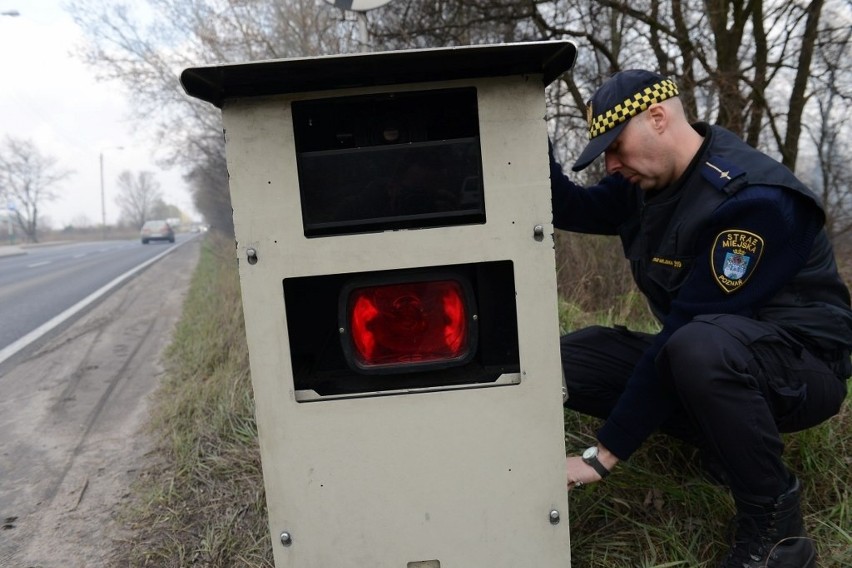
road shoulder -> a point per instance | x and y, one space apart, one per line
73 418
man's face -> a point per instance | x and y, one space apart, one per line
637 155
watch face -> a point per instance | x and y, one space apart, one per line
590 452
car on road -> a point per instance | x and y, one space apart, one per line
157 230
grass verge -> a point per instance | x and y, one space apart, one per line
202 503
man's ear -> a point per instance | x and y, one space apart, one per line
658 117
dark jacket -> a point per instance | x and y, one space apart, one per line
737 234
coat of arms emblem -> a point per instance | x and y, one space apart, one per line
735 265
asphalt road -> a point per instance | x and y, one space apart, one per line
73 406
45 282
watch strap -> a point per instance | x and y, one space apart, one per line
597 465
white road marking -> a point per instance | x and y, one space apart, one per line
43 329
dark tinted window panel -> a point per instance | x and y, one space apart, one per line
317 353
390 161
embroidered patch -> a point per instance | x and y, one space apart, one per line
734 258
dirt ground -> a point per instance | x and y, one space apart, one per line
71 422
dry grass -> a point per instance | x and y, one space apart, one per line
661 510
595 285
203 505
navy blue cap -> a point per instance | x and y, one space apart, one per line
620 98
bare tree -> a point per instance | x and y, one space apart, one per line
758 67
163 210
147 51
831 175
28 178
138 196
748 65
208 181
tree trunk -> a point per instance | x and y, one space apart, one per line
790 150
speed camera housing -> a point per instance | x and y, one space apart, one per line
393 224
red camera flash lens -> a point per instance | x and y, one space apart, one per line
409 323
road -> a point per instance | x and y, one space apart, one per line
74 402
40 285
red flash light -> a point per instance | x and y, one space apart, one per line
409 324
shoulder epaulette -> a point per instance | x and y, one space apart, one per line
721 173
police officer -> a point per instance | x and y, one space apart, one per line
730 251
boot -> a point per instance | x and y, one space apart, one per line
770 534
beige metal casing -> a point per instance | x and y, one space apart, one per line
462 477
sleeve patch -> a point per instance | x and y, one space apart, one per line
734 258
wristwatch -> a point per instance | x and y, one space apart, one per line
590 456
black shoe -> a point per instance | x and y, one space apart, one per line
770 534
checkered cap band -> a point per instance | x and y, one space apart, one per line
639 102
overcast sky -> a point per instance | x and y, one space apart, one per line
51 98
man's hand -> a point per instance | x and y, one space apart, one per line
580 473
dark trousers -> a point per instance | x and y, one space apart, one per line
740 382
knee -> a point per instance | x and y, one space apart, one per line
692 346
694 357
